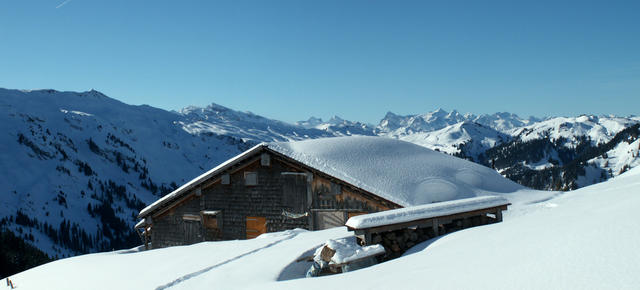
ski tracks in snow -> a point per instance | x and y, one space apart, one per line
207 269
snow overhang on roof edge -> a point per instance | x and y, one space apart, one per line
198 180
424 211
140 224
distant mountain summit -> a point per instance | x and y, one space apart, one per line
338 126
220 120
504 122
396 125
466 139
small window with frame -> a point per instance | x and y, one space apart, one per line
265 159
225 179
250 178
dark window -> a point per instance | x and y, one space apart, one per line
250 178
225 179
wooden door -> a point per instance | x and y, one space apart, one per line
256 225
329 219
212 227
192 232
294 193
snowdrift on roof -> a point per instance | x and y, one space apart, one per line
401 172
407 214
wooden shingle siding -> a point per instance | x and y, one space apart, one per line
171 229
267 199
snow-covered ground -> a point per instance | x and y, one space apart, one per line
583 239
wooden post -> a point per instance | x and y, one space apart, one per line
499 215
367 238
434 226
146 238
310 200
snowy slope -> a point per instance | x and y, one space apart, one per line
584 239
623 156
567 152
597 129
81 165
469 138
220 120
554 153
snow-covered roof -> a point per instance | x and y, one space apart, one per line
401 172
426 211
398 171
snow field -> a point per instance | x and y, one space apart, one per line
584 239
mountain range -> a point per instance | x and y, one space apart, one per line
78 166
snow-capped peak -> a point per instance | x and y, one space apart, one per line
395 125
312 122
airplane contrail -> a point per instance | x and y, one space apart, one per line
63 3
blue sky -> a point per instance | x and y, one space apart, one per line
357 59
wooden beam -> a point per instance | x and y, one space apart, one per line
336 209
171 205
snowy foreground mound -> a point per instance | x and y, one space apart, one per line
587 238
399 171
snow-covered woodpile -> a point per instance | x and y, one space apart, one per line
342 255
